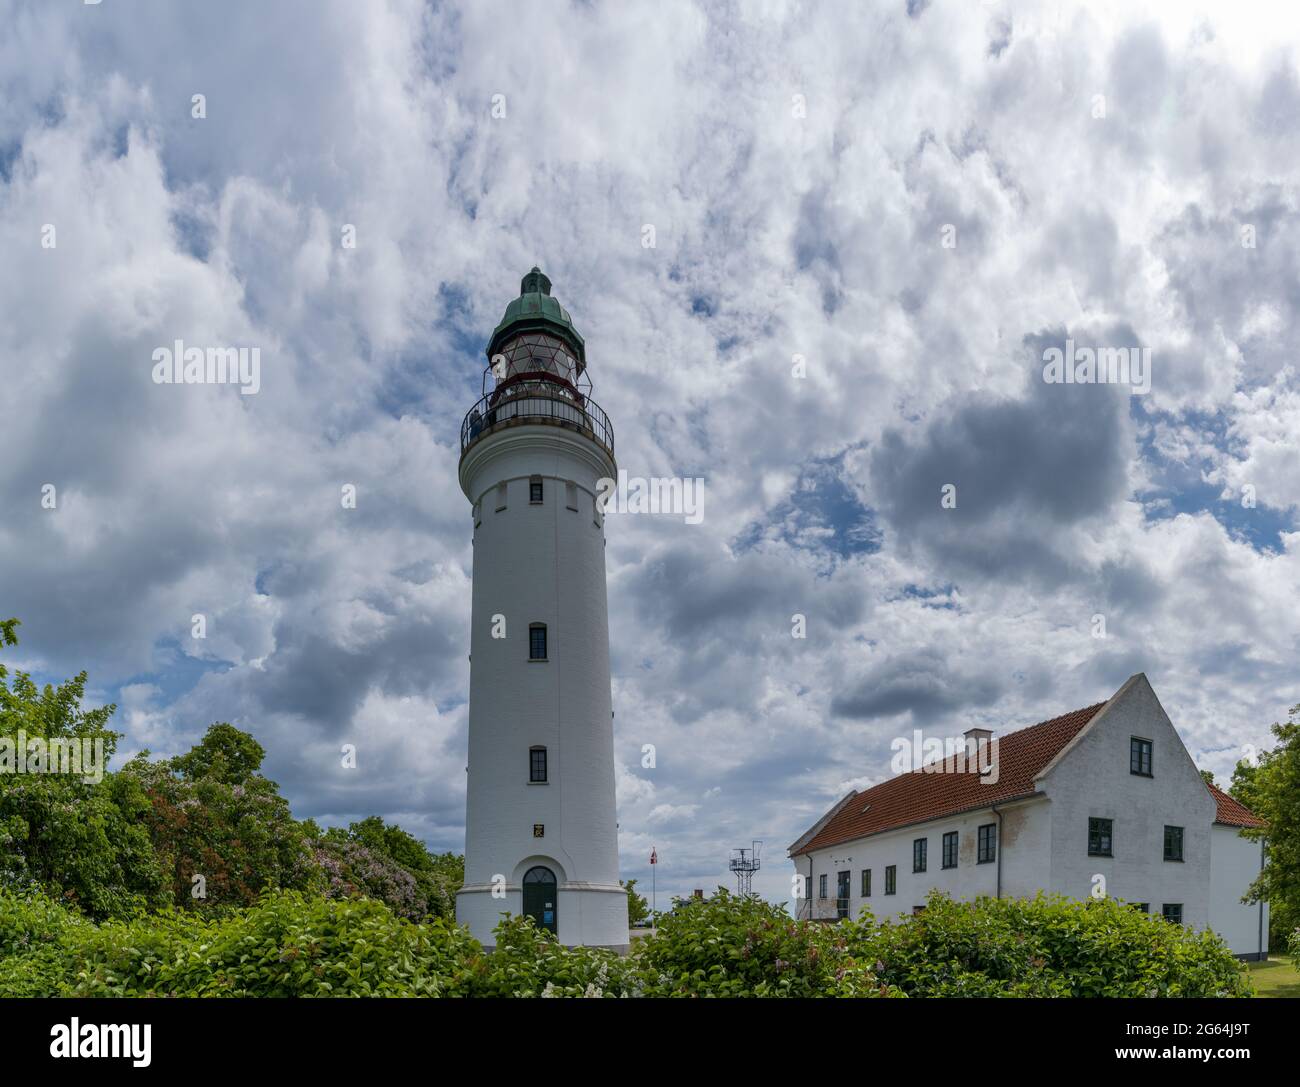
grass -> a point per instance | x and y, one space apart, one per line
1276 977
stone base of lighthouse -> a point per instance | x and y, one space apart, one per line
594 915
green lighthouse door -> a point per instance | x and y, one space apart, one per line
540 898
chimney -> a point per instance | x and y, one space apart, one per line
974 736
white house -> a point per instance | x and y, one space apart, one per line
1105 796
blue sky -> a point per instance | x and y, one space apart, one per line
800 165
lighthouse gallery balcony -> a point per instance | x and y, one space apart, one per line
496 412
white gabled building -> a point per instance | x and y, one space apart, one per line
1108 791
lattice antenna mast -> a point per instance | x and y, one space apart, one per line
744 863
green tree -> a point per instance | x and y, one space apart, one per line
224 754
213 816
638 909
80 841
1271 789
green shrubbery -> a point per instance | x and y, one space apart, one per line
290 944
730 946
1046 946
287 944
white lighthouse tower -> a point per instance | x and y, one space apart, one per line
541 836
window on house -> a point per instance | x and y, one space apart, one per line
1142 907
891 879
918 854
537 764
950 849
821 885
1099 837
1139 757
571 496
1173 843
987 836
1172 911
501 497
917 910
537 642
535 489
842 894
866 883
807 886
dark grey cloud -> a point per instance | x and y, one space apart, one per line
1025 470
923 686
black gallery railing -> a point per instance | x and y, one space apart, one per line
487 415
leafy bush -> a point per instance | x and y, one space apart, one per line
33 928
1046 946
732 946
528 961
32 920
285 945
290 944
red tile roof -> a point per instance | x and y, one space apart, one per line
1232 812
919 797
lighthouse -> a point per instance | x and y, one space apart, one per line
541 832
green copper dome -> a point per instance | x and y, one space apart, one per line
536 311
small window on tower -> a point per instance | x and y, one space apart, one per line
571 496
501 497
537 765
535 490
537 642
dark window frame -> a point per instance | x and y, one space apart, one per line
1177 839
986 851
535 491
866 883
951 843
1101 842
821 887
1141 757
920 854
891 879
1167 907
533 630
537 766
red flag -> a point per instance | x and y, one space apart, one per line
654 857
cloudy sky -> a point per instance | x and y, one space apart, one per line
916 199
